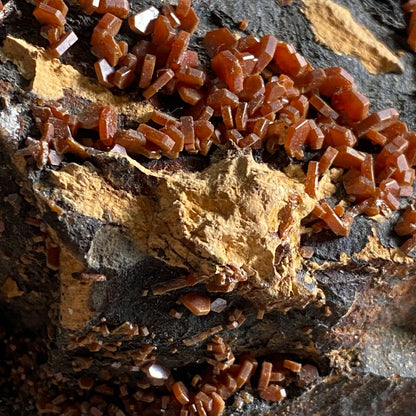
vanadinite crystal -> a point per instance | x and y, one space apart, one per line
266 94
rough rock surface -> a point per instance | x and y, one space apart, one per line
125 227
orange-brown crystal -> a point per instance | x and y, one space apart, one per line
110 23
107 124
104 71
119 8
48 15
218 40
190 21
123 77
157 137
159 83
266 371
289 61
244 373
312 176
352 103
327 159
324 108
143 22
198 304
376 121
177 53
228 68
181 392
131 140
264 52
63 44
273 393
296 137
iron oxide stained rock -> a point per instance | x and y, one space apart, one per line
107 272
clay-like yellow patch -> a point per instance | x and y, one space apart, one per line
375 250
225 218
334 26
50 78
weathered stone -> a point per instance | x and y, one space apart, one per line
118 219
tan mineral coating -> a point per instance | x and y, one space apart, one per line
75 295
375 250
327 183
395 262
10 290
51 78
229 215
334 26
225 218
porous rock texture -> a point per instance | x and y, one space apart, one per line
123 226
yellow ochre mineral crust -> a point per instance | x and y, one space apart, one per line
228 223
